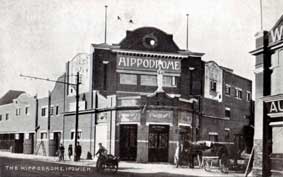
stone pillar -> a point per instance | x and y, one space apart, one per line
142 145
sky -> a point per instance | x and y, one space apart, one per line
38 37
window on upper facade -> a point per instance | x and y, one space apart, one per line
169 81
43 135
249 96
51 110
128 79
238 93
57 110
73 135
213 85
0 117
7 116
227 112
149 80
27 110
43 112
228 89
18 111
213 138
227 134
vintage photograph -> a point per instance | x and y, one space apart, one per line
149 88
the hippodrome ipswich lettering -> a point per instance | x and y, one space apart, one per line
147 63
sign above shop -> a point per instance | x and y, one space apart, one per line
148 63
277 33
275 106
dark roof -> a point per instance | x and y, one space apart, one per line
9 96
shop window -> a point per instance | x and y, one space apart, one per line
213 85
128 79
7 116
227 112
228 89
73 135
277 140
149 80
43 112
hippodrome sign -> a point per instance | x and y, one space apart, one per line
148 63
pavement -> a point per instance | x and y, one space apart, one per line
128 167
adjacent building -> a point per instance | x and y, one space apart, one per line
268 159
140 98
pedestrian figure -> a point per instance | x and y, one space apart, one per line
78 151
61 152
70 151
102 155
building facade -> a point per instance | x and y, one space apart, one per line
140 97
268 160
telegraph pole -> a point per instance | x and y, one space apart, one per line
48 122
77 116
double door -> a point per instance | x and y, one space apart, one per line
158 142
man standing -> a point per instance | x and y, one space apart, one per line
78 151
70 151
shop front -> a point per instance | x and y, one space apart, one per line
273 134
147 132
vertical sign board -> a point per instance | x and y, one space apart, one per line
80 63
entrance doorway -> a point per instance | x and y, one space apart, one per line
19 143
57 139
158 143
128 142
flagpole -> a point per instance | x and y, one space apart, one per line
105 32
261 20
187 41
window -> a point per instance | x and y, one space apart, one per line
227 134
228 89
0 117
73 135
128 79
249 98
149 80
227 112
43 135
213 85
7 116
51 110
57 110
18 111
43 112
238 93
27 110
213 136
169 81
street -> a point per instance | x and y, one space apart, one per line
20 167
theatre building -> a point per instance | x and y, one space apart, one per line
268 159
142 96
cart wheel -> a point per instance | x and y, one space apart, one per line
113 168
